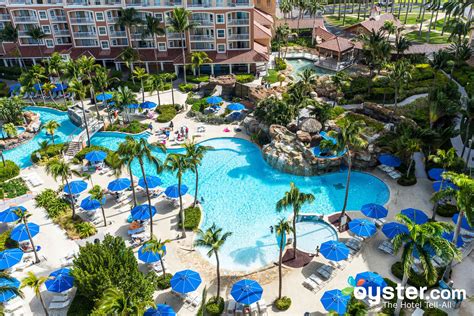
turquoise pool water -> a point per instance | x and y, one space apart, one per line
21 154
301 64
240 191
312 232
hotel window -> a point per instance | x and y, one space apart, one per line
220 18
99 16
104 44
162 47
221 48
42 15
220 33
159 16
49 43
102 30
46 29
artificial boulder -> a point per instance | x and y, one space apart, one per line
311 126
304 137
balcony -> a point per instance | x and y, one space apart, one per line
239 37
58 18
117 33
199 4
202 22
238 3
62 33
238 22
173 3
83 20
143 3
112 19
175 36
4 17
78 2
113 2
201 38
85 34
25 19
138 36
23 34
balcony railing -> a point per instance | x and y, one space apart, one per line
173 3
62 32
85 34
23 33
4 17
118 34
113 19
25 18
174 36
200 22
113 2
139 36
58 18
78 2
199 4
239 3
239 36
201 37
238 21
82 20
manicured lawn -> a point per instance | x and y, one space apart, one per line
350 20
413 18
440 23
272 76
435 38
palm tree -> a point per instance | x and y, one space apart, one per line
212 239
79 89
376 50
282 228
152 27
37 74
157 247
87 66
10 34
307 79
10 130
48 88
434 6
286 6
125 96
143 151
128 18
9 287
198 59
400 73
178 163
421 239
195 154
170 77
348 139
294 199
54 65
401 44
35 282
155 83
314 7
468 116
98 194
127 152
129 56
179 23
141 74
59 168
51 127
37 34
23 219
115 302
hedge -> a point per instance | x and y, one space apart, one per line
283 304
163 283
186 87
13 188
215 306
198 79
166 112
245 78
134 127
417 280
50 151
446 210
9 170
192 218
82 154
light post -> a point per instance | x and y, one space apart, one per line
471 142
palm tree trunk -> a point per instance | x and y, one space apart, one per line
457 230
132 184
466 137
85 123
218 275
184 60
344 14
339 9
409 166
143 91
197 183
147 196
295 213
162 266
280 258
446 18
72 200
52 137
398 308
422 12
348 181
31 240
43 304
406 12
358 10
158 94
429 28
103 214
396 97
399 9
181 211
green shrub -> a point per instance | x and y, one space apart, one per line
53 205
134 127
163 283
245 78
280 63
6 242
356 307
52 150
417 280
80 306
407 181
85 229
197 105
272 76
166 112
9 170
283 303
215 306
192 218
198 79
186 87
10 72
62 106
82 154
446 210
13 188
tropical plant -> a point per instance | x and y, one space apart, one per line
421 239
322 111
272 110
468 116
51 127
10 130
399 74
307 79
54 65
282 34
194 154
129 56
152 27
376 50
9 33
141 75
59 168
198 59
126 154
179 22
315 7
36 33
115 302
282 228
128 18
441 105
48 88
87 66
125 96
79 89
158 247
294 199
155 83
212 239
23 219
286 7
11 110
401 44
179 163
98 194
35 283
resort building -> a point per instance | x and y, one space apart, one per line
234 33
375 22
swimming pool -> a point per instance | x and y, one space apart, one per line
312 232
240 191
19 130
21 154
300 64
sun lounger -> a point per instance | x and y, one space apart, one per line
136 231
230 310
310 284
253 309
239 309
196 301
262 307
13 304
59 305
60 298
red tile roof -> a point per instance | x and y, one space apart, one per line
324 34
261 31
337 44
376 23
262 17
33 51
303 24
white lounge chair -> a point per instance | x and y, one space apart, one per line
262 307
13 305
60 298
231 307
253 309
59 305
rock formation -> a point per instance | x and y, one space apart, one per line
32 127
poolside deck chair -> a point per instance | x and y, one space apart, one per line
196 301
253 309
13 305
230 310
60 298
239 309
310 284
262 307
59 305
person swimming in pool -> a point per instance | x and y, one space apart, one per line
271 229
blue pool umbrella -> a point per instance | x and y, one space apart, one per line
152 182
96 155
75 187
149 256
417 216
19 233
370 281
111 103
132 106
10 257
390 160
450 237
60 87
89 204
436 174
185 281
393 229
8 294
334 250
142 212
214 100
104 97
160 310
443 185
464 223
37 86
119 184
173 192
60 280
374 210
14 87
362 227
236 107
335 301
9 215
148 105
246 292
